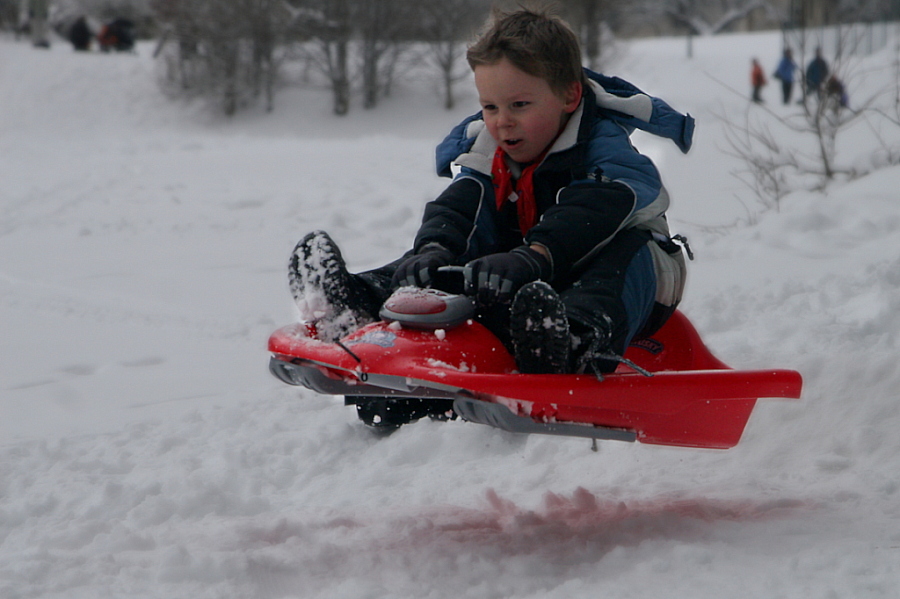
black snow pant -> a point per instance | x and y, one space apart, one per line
787 87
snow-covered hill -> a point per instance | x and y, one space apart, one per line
146 452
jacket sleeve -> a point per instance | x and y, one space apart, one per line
625 189
451 219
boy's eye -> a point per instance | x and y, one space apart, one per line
521 104
489 107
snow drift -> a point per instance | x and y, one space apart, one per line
145 451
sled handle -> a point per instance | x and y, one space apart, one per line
452 269
454 279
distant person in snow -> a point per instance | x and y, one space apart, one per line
757 80
117 35
836 93
80 34
558 222
816 74
785 72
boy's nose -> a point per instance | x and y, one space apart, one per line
504 119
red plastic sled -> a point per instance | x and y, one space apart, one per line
692 399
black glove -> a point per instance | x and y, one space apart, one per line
420 269
496 278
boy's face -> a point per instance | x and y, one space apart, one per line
521 111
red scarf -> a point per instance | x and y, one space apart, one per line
520 192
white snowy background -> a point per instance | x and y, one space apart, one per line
146 452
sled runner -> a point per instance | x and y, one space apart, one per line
428 355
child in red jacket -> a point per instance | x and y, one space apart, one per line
757 81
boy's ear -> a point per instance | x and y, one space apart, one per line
573 96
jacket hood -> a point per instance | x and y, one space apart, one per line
470 145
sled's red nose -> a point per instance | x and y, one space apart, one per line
417 301
427 308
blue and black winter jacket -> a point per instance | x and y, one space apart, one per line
591 184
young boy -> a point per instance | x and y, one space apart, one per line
558 220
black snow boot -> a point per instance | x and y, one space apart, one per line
325 292
592 347
539 330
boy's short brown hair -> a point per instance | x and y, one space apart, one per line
535 42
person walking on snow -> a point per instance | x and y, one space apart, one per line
757 80
786 72
816 74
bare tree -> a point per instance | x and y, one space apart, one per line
700 17
330 25
266 32
9 15
896 78
225 49
592 19
383 26
231 50
445 25
709 17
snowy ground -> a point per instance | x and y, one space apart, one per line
146 452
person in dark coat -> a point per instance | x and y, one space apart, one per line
117 35
837 93
80 34
816 74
